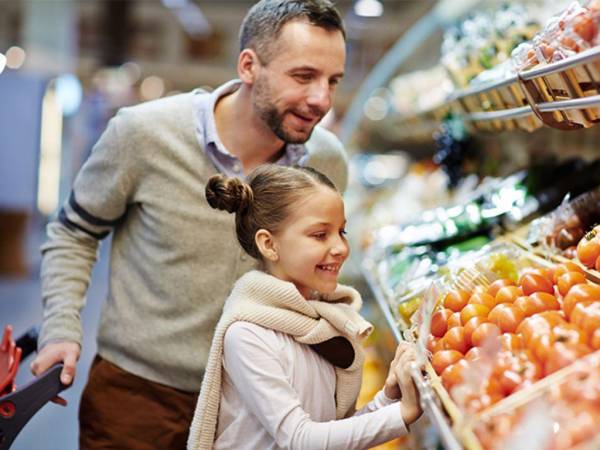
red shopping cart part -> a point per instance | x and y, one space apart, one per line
18 405
10 356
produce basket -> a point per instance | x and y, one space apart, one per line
495 358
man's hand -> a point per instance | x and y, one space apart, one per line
54 353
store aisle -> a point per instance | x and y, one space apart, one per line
53 427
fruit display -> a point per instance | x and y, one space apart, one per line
588 249
560 231
563 415
502 336
485 39
572 31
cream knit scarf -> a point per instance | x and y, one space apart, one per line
265 300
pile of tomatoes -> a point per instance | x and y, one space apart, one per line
525 330
567 413
588 249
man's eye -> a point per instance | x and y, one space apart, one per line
343 232
334 82
303 77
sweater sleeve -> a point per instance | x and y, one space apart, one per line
327 155
96 205
256 371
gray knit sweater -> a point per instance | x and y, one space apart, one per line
173 259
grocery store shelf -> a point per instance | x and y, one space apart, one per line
382 302
568 63
428 398
505 114
576 103
482 87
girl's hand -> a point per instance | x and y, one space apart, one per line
410 405
391 388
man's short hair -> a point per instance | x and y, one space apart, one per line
262 25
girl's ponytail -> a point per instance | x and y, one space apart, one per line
228 194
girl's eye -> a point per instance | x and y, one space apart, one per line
343 232
319 236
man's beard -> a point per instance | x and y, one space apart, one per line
269 114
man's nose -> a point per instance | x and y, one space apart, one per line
320 96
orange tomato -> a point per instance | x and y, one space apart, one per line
569 333
485 332
508 294
584 26
432 341
509 381
511 342
594 340
536 303
454 320
553 317
531 326
454 339
454 374
531 282
547 273
474 353
561 355
540 345
471 325
482 298
442 359
579 313
586 316
566 280
506 316
564 268
588 249
456 299
473 310
439 322
580 293
496 285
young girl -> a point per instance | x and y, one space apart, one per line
284 369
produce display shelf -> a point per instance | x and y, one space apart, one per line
582 58
505 114
575 103
428 397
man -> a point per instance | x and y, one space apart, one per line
173 258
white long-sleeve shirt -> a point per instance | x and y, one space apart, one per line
280 394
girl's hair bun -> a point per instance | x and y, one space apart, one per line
229 194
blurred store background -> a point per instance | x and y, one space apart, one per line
449 147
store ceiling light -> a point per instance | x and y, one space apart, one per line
15 57
2 62
368 8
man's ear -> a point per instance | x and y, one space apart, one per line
266 245
247 67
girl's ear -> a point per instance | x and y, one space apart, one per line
266 245
247 67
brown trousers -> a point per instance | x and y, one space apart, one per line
122 411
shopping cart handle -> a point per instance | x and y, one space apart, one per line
19 406
28 341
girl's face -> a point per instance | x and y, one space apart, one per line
311 246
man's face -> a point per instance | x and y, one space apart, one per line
294 89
